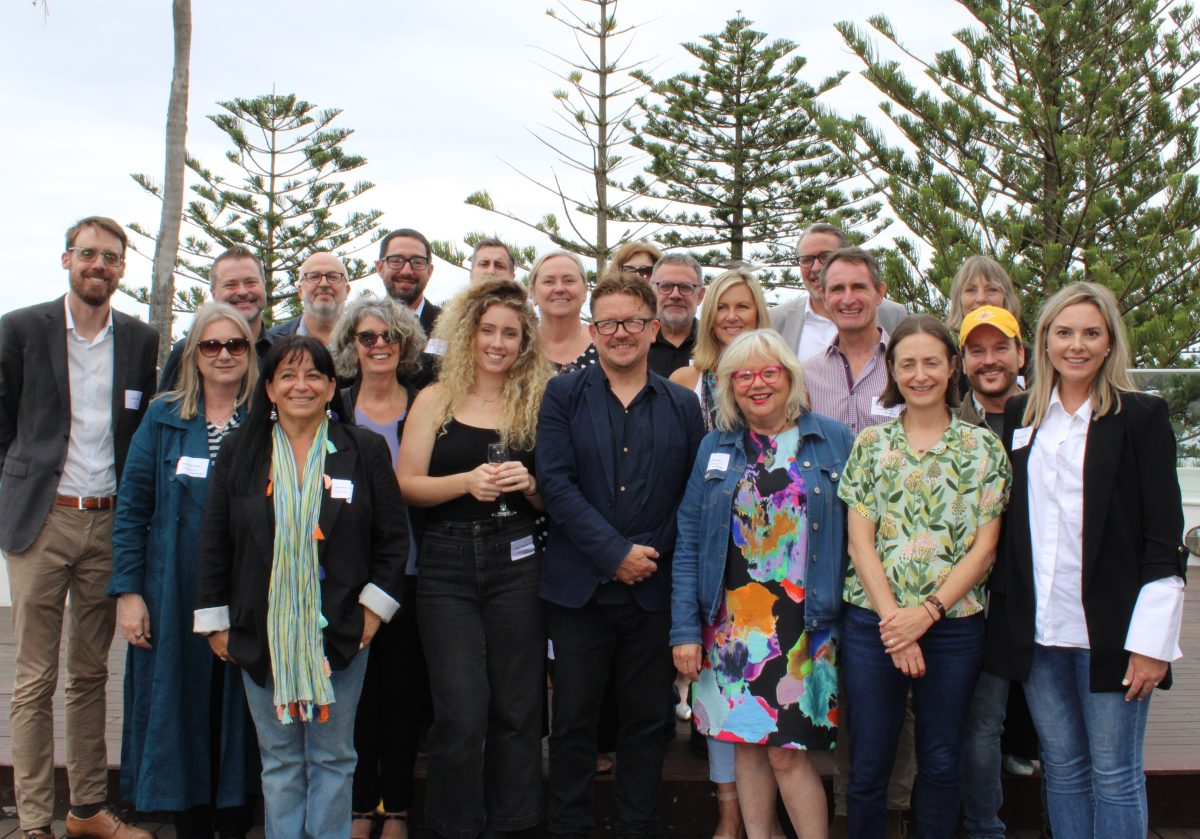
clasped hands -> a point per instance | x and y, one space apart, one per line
487 481
899 632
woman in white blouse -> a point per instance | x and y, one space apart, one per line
1087 594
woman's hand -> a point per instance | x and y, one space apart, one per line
903 627
371 623
1142 676
219 642
910 661
687 660
134 620
480 484
512 476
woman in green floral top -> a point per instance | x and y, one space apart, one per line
925 493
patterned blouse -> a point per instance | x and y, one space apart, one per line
926 509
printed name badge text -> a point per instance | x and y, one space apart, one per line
342 488
193 467
521 548
717 462
1021 437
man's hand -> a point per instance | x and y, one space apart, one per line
637 565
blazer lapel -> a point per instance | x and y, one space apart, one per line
338 465
261 511
1104 442
594 393
121 362
56 350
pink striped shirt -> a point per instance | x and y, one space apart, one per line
836 393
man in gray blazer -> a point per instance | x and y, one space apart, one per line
75 378
804 322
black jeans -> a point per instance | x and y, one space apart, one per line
484 635
392 710
589 643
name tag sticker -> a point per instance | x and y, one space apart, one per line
521 548
878 409
193 467
717 462
1021 437
133 399
341 488
435 346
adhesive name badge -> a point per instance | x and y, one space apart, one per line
717 462
521 548
878 410
133 399
436 346
1021 437
342 488
193 467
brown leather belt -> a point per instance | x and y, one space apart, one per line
93 503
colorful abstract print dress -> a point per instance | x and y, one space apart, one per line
765 679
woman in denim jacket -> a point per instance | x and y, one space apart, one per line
757 580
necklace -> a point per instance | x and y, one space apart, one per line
485 401
913 435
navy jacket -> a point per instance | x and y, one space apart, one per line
576 475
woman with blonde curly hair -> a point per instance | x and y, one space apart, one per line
467 457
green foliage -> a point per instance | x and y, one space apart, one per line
1058 138
285 200
734 144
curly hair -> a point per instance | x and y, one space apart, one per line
401 323
525 381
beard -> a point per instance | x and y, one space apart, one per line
1006 384
90 292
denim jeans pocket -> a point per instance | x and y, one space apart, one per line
441 555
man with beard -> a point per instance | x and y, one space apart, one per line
405 266
75 379
678 283
492 259
236 278
324 285
992 358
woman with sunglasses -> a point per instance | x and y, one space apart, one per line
377 344
636 258
187 746
757 578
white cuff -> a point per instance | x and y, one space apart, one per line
1157 619
378 601
215 619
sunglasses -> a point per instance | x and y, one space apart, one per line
234 346
369 337
643 271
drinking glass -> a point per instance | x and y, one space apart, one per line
498 453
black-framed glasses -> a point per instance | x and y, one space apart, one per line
643 271
418 263
234 346
668 288
744 379
809 258
369 337
333 278
110 258
632 325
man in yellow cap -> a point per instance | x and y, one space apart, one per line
993 356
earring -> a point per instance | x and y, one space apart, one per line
274 415
328 411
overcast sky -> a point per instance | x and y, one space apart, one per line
440 96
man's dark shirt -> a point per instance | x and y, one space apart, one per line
666 358
968 411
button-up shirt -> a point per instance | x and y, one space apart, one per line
90 468
835 392
816 336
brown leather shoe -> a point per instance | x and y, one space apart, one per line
104 825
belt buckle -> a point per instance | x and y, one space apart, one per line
79 503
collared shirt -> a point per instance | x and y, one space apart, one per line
834 392
971 411
90 468
666 358
816 336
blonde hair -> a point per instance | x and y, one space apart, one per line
629 250
993 274
189 386
768 344
531 277
525 381
708 348
1113 376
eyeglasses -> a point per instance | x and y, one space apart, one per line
809 258
418 263
667 288
744 379
632 325
333 278
110 258
643 271
369 338
234 346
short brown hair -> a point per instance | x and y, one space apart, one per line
921 325
104 223
236 252
857 256
629 250
623 283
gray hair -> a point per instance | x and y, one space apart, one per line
768 344
493 242
400 321
831 229
685 259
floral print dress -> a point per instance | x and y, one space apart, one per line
765 679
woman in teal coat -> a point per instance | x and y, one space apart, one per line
188 746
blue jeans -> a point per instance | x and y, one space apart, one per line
721 761
980 766
308 768
953 652
1091 749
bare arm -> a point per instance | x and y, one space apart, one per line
416 448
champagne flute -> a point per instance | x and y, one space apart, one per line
497 454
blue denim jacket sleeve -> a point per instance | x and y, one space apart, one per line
685 566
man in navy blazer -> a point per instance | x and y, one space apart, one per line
75 379
615 447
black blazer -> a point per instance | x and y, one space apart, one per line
1132 526
35 408
366 541
429 316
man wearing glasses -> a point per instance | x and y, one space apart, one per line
678 283
324 285
75 379
405 266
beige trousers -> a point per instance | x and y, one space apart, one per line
71 559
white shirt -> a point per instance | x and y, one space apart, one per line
90 468
817 334
1055 497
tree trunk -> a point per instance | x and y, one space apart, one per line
162 289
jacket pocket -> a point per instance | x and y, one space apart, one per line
15 467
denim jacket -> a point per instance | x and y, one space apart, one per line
698 569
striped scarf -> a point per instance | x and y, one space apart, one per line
294 620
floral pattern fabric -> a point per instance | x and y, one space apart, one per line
926 508
765 679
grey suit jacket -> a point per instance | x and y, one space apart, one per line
35 409
788 318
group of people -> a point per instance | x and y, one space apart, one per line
384 516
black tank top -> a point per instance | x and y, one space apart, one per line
461 449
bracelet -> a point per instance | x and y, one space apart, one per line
933 615
937 604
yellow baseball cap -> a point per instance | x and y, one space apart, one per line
995 316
